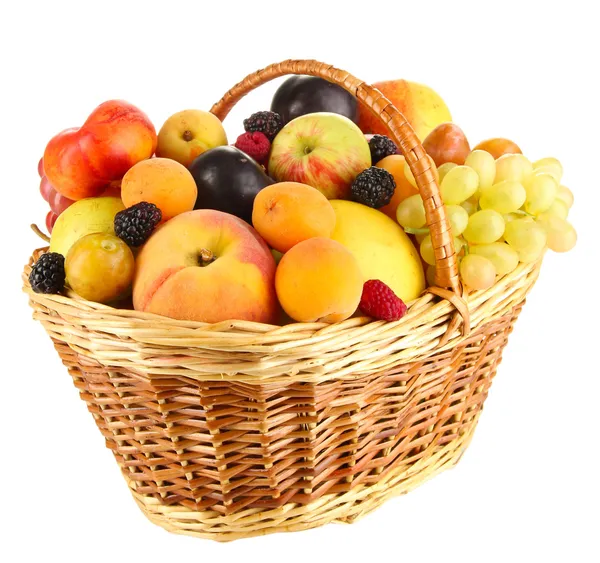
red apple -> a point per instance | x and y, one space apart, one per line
41 167
81 162
324 150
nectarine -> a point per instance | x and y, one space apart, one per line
498 147
81 162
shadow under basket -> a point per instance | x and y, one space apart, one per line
239 429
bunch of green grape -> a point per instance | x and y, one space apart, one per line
501 212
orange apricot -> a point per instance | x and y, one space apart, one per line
319 280
287 213
394 164
498 147
161 181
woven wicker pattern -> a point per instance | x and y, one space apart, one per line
238 429
232 430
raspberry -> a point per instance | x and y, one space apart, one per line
380 302
255 145
381 146
373 187
135 224
267 122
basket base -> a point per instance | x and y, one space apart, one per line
346 508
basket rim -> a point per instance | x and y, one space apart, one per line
153 346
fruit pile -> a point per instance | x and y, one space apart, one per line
312 215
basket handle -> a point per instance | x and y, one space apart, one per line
400 132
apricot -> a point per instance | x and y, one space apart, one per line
394 164
319 280
447 143
287 213
498 147
161 181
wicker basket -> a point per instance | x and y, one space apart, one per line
238 429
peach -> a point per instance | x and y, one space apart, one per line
208 266
394 164
447 143
287 213
498 147
161 181
319 280
423 108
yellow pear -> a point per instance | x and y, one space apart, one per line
86 216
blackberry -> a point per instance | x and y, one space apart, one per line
381 146
48 273
135 224
373 187
267 122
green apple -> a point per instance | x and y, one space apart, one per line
86 216
324 150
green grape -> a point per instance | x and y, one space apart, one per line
549 165
505 197
557 209
561 236
566 196
470 206
484 227
458 244
526 237
411 213
409 175
477 272
508 217
445 168
504 258
458 185
484 164
458 218
513 167
420 237
426 250
430 275
541 190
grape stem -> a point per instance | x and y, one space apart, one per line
411 231
521 212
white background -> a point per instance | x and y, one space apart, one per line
528 487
